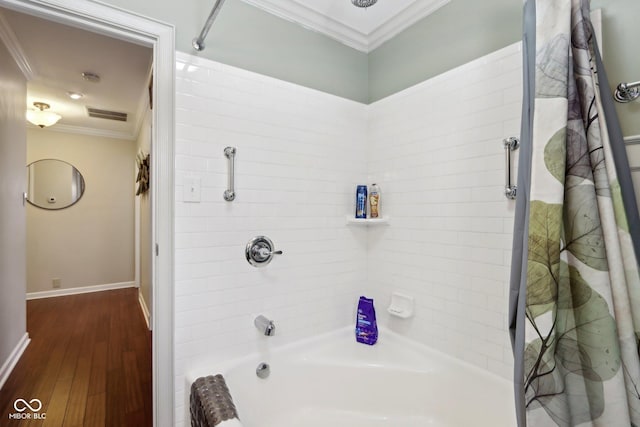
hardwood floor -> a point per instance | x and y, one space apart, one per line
89 363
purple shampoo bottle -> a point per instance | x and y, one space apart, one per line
366 326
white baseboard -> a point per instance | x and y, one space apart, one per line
145 310
81 290
13 359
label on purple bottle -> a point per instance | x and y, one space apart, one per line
366 326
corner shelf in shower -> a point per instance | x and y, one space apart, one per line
384 220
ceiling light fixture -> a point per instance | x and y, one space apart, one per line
41 117
363 3
75 95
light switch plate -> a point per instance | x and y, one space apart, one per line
192 190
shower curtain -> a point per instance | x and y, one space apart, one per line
575 288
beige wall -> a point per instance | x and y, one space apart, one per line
13 95
621 34
91 242
144 229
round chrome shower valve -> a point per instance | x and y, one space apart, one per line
259 251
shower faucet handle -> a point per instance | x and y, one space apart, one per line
260 251
265 252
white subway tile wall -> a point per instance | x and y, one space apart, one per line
436 151
300 155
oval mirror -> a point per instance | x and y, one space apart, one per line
53 184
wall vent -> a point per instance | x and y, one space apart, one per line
106 114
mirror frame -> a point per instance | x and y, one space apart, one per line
82 190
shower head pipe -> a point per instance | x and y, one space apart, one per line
198 42
627 92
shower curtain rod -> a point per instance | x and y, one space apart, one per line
627 92
198 42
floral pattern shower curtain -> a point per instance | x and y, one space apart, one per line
579 317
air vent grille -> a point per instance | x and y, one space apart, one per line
106 114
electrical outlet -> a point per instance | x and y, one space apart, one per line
56 283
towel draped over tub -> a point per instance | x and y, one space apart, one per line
211 404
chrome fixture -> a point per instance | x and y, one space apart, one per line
363 3
91 77
627 92
259 251
263 370
265 326
510 144
230 194
198 42
42 118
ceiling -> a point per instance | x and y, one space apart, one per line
360 28
54 56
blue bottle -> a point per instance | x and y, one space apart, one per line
361 201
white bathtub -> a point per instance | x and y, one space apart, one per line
333 381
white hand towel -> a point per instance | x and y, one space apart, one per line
233 422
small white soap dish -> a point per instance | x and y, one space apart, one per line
401 305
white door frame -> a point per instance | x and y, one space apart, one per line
114 22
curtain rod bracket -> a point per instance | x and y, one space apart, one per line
198 42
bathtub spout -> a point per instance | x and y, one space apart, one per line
265 326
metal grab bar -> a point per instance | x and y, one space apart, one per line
230 193
627 92
198 42
510 144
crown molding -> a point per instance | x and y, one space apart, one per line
88 131
10 40
295 12
312 20
403 20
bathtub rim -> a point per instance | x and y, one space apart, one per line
205 368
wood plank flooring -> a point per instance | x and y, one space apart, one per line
89 362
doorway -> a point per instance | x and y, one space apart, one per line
116 23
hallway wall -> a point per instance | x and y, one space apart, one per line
145 211
13 316
92 242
